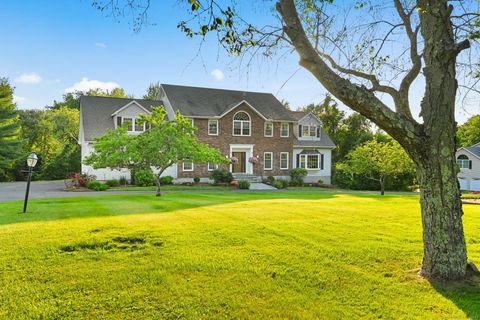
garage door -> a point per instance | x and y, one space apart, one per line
463 183
475 185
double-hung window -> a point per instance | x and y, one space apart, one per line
284 130
284 160
212 166
268 130
187 165
129 122
310 161
241 124
268 161
463 162
213 127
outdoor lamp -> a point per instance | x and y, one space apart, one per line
31 162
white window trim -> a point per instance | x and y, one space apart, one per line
208 127
319 159
288 130
135 126
265 129
241 125
187 170
463 161
288 161
214 164
133 123
271 161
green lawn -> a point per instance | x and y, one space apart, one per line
224 256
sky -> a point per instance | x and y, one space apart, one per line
56 46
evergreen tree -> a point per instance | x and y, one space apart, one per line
9 128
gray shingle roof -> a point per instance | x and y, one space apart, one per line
208 102
297 115
474 150
96 113
324 142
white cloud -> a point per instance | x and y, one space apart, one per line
18 99
101 45
85 85
29 78
218 74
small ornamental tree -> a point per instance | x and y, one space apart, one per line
377 161
161 146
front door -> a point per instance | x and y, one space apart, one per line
240 165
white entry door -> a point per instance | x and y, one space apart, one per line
463 183
475 185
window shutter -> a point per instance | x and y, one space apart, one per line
470 164
119 121
321 161
298 161
318 132
300 130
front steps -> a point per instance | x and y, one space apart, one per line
248 177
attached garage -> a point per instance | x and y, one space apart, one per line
475 185
463 183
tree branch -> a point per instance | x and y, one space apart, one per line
359 98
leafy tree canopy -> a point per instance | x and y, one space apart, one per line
469 132
9 128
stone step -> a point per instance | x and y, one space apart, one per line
247 177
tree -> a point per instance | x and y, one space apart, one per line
349 60
163 145
329 113
377 161
469 132
9 128
153 92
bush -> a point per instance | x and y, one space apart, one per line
112 183
320 182
78 179
166 180
96 186
243 184
123 180
270 179
196 179
297 175
221 175
144 178
281 184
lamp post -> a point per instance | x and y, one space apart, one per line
31 162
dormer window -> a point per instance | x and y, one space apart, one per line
464 162
133 124
309 131
241 124
129 122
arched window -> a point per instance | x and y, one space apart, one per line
464 162
241 124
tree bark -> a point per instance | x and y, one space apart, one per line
382 186
157 179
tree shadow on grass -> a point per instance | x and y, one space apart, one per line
129 204
464 294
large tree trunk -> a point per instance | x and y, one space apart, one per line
445 254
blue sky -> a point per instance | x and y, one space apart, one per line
53 46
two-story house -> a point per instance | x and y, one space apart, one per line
468 159
264 137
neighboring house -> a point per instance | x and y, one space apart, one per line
468 159
265 137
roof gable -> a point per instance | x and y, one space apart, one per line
131 103
243 102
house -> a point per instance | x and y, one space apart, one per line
468 159
255 128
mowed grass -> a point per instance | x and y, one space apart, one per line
225 256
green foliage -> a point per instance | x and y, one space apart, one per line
469 133
378 162
270 179
196 179
153 92
297 176
281 184
123 180
112 183
72 99
144 178
10 145
221 176
166 180
243 184
96 186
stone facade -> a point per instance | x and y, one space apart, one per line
261 144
